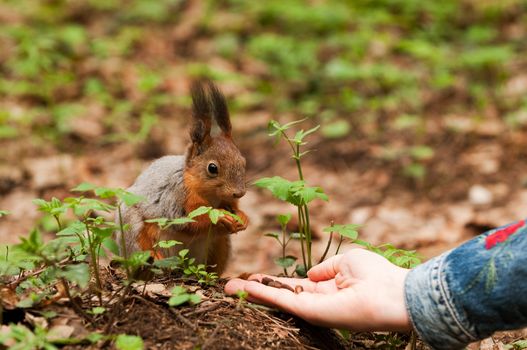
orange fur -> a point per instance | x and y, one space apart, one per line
148 237
219 250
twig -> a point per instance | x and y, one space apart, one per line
21 279
118 303
203 309
413 340
74 304
210 340
276 322
182 318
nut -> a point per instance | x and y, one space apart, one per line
267 280
275 284
288 287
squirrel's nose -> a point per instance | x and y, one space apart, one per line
238 193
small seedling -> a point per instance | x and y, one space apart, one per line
181 296
129 342
295 192
285 261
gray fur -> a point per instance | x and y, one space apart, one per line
162 187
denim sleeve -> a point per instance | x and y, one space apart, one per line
472 291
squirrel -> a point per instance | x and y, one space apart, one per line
211 173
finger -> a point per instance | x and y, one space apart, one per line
234 285
325 270
307 285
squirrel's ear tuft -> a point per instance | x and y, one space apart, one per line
201 114
220 110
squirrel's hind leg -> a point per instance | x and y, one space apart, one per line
219 253
134 236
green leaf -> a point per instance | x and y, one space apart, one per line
301 270
232 215
167 244
308 194
242 294
53 207
199 211
421 152
165 223
4 213
272 234
348 231
336 129
294 122
180 221
300 135
178 290
84 187
195 299
160 221
519 344
73 229
297 235
129 342
33 243
105 192
129 199
94 337
78 273
97 310
283 219
286 261
110 244
177 300
279 187
415 170
183 253
215 215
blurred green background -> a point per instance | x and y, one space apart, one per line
89 73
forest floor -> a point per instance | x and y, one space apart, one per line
423 177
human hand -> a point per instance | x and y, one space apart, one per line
359 291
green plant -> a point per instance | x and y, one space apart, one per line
19 337
24 339
285 261
295 192
517 345
129 342
181 296
300 195
213 215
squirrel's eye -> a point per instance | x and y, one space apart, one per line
212 169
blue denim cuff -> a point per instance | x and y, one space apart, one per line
432 308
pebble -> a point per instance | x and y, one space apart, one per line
479 195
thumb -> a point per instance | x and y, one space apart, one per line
325 270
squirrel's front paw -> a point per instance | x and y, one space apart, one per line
231 225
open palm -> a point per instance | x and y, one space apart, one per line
359 290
